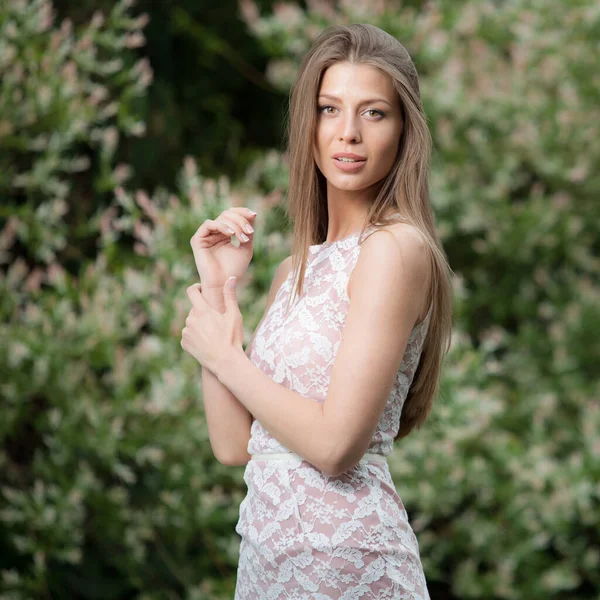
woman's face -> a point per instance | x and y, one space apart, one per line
358 112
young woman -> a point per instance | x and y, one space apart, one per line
347 357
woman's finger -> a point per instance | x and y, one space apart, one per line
196 297
209 231
242 210
241 221
241 214
235 228
208 228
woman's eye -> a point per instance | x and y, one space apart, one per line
371 110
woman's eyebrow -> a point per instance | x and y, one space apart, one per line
368 101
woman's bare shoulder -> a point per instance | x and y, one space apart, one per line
402 232
382 253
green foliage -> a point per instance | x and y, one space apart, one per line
63 92
108 487
209 97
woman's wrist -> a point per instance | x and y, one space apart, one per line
214 296
212 286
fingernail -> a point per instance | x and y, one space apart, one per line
249 228
252 213
231 231
245 237
231 282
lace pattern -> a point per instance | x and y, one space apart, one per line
298 349
305 534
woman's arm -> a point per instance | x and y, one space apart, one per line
228 419
389 292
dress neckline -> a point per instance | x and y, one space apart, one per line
323 244
347 237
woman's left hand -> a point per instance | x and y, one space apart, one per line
209 336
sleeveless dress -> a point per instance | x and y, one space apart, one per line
306 535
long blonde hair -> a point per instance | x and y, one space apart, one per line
403 194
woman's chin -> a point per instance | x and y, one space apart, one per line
348 184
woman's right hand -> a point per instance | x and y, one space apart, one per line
216 257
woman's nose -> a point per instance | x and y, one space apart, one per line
349 130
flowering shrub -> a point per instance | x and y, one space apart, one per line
108 477
63 92
108 487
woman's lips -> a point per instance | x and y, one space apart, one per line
349 166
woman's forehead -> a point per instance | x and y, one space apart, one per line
343 79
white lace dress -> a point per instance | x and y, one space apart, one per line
306 535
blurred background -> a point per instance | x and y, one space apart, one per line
123 126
